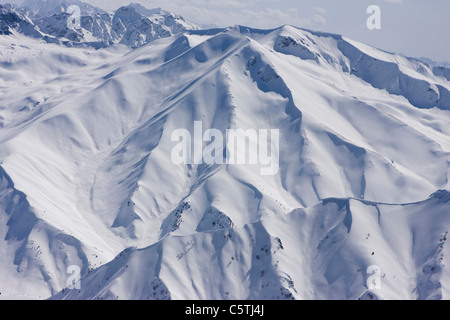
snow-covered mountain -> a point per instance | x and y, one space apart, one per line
131 25
47 8
11 20
87 178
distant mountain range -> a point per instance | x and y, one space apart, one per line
358 208
132 25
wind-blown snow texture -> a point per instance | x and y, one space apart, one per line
86 176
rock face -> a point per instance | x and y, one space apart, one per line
48 8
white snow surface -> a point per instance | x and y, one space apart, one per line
131 25
86 176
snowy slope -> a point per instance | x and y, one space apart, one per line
85 152
47 8
11 20
132 25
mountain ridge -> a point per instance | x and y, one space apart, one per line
88 144
98 28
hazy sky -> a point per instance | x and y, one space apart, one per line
412 27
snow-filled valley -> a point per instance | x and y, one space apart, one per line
87 179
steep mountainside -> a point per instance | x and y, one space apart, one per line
87 176
131 25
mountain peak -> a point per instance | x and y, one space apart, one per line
11 20
148 12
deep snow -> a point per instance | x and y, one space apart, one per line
86 176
